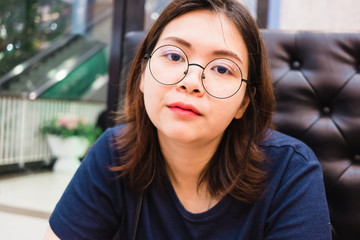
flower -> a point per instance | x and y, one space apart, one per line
69 122
67 126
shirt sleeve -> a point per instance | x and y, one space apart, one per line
90 207
299 207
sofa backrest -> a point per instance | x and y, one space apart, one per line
316 78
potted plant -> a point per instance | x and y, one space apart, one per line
69 137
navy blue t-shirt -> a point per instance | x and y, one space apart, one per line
97 204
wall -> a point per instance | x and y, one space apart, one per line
327 15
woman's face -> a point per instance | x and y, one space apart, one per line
184 112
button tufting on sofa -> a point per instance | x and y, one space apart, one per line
326 110
295 65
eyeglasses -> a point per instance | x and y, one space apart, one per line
221 77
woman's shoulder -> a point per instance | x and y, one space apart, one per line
95 191
114 131
288 155
275 143
105 151
108 137
291 165
295 188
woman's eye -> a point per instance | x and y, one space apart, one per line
222 70
174 57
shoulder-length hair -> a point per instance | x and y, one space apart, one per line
238 166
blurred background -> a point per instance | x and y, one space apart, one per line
64 58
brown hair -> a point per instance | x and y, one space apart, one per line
237 166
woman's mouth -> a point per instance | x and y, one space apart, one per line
185 110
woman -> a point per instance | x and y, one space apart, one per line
196 158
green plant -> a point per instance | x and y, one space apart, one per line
68 126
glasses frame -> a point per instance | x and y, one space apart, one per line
148 57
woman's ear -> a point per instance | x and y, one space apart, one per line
242 108
141 86
244 105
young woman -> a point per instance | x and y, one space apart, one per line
196 158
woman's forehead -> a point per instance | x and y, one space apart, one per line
206 32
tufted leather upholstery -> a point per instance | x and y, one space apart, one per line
317 83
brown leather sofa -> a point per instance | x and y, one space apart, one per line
316 77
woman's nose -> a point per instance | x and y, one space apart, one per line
192 82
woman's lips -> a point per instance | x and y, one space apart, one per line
184 109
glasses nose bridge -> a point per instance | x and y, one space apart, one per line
198 65
195 64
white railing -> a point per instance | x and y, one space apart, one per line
20 120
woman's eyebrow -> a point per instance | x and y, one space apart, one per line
179 40
227 53
220 52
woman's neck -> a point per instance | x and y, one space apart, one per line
186 161
184 164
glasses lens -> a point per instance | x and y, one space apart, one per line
168 64
223 78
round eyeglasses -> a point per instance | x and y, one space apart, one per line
221 77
